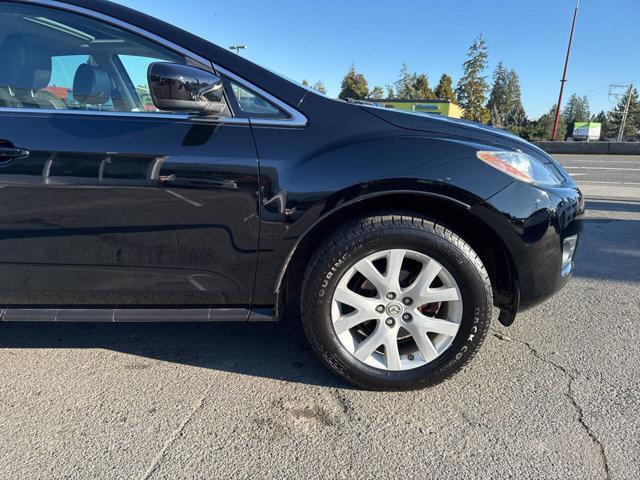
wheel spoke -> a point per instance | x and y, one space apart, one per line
425 278
359 302
353 319
394 267
436 325
424 343
373 275
391 352
368 346
437 295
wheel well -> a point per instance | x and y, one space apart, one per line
484 241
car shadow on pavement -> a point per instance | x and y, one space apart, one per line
613 205
269 350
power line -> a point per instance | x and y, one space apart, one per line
617 91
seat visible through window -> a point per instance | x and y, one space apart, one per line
53 59
91 86
26 71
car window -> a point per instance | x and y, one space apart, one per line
136 68
253 105
63 70
51 59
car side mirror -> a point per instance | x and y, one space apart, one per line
176 87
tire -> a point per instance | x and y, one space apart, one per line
380 240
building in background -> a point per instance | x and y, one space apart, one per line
436 107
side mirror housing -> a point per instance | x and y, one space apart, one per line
176 87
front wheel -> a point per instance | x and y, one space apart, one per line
396 302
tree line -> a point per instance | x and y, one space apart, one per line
494 100
409 86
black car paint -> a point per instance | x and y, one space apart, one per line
172 220
138 241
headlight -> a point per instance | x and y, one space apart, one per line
520 166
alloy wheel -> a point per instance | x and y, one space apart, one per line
396 309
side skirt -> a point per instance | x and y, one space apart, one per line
135 315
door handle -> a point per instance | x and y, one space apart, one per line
8 154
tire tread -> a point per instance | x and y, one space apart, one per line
346 237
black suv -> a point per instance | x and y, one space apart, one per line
148 175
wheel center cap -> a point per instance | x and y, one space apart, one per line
394 309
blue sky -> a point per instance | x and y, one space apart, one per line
319 40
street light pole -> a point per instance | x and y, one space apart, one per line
237 48
564 74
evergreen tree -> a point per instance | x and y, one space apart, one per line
516 117
514 93
444 90
319 86
570 109
472 87
576 110
412 86
606 128
354 85
498 103
406 83
632 126
495 117
585 109
377 93
540 130
390 91
505 100
421 87
517 120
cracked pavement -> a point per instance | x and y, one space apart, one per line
570 395
554 396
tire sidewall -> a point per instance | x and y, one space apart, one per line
467 273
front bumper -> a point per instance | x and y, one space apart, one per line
537 226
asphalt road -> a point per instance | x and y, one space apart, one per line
605 176
556 395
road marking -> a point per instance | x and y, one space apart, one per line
190 202
605 168
195 283
605 161
609 183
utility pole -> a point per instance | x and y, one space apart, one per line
625 114
554 132
617 93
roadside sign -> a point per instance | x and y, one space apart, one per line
586 131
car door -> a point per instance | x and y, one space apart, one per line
104 200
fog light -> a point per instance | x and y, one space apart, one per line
568 249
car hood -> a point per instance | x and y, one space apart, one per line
471 131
